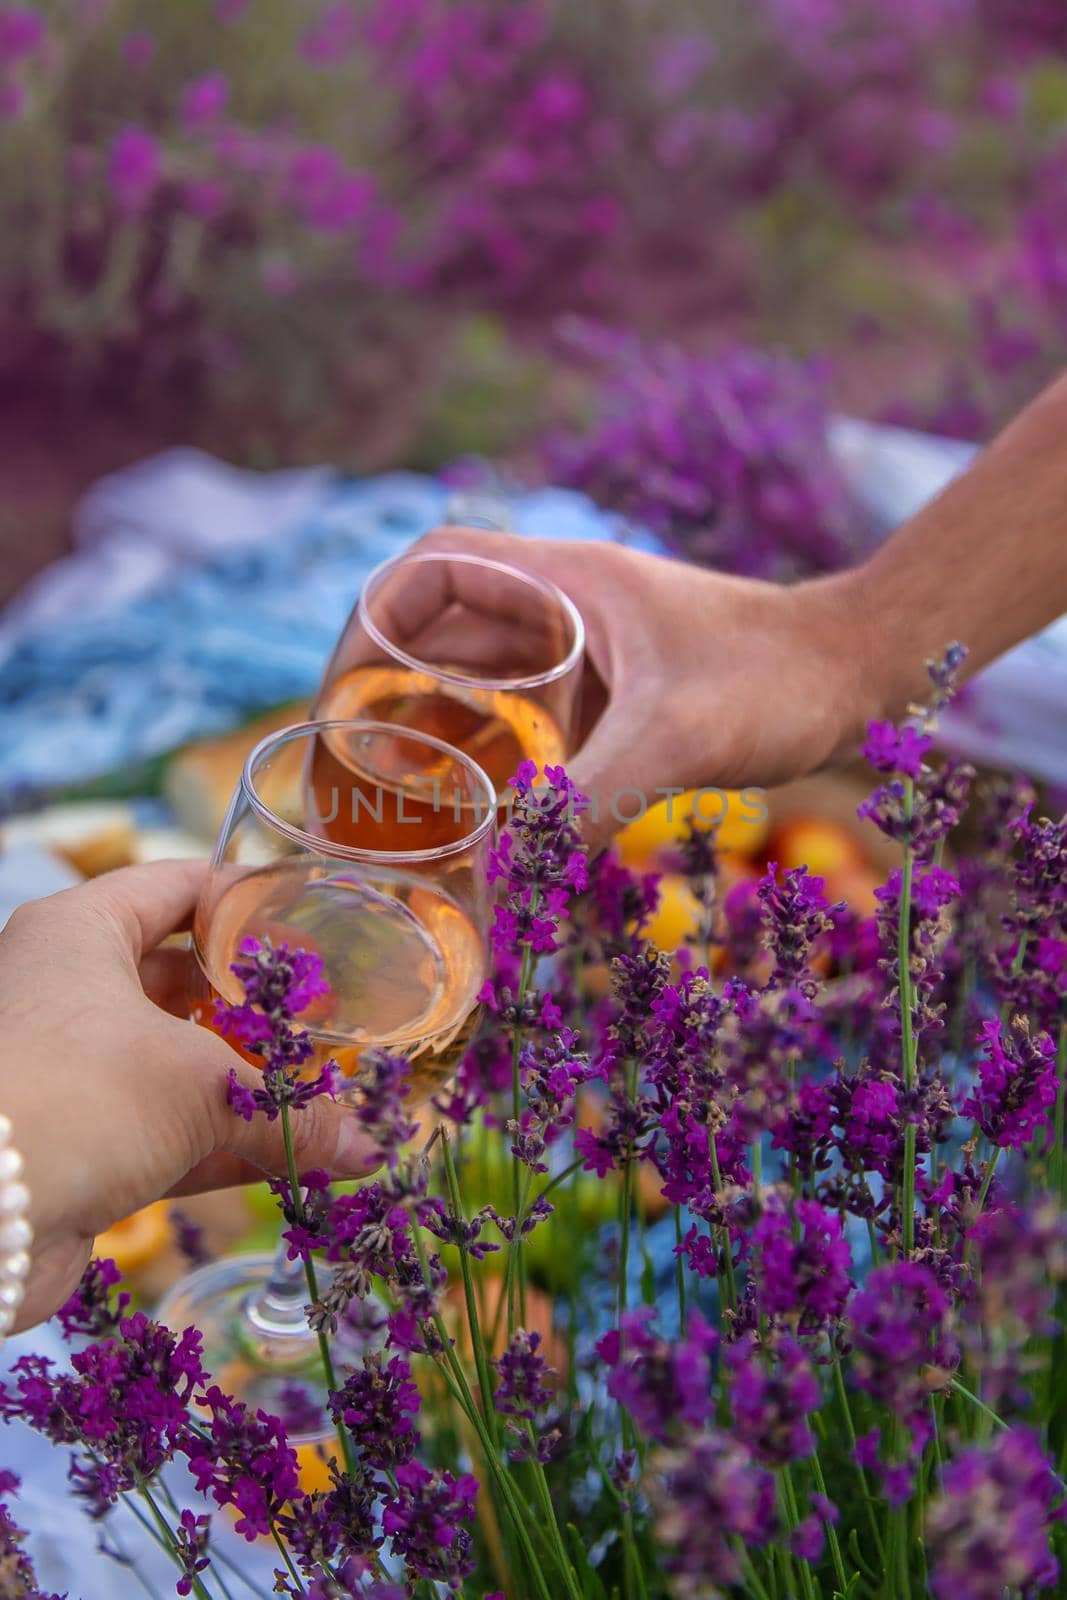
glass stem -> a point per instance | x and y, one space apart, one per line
278 1307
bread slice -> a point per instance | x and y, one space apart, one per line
92 836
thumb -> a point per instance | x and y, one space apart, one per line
617 772
325 1134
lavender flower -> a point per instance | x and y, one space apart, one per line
17 1577
550 1078
934 892
245 1462
189 1237
1034 966
1016 1084
539 858
725 458
903 1347
91 1309
278 984
1021 1256
771 1396
795 916
299 1408
384 1085
988 1530
620 904
425 1519
377 1403
521 1391
662 1383
135 163
126 1403
936 799
888 748
801 1262
191 1544
522 1396
710 1498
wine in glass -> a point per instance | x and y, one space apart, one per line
460 648
400 924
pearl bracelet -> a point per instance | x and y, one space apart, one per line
16 1231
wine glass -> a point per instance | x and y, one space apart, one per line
467 649
400 921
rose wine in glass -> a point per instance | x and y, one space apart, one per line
400 924
474 652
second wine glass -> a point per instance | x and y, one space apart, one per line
400 924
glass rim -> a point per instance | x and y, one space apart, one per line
533 580
350 852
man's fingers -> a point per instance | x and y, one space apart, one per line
604 771
578 569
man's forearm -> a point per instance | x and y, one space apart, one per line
984 563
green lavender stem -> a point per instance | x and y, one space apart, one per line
907 1042
313 1289
169 1542
456 1381
525 973
481 1360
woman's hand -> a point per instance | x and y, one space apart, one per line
693 678
115 1102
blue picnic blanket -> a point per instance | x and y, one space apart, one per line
214 643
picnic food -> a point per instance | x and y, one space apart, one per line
92 836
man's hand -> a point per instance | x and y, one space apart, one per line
115 1102
693 678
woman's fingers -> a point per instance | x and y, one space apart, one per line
145 903
325 1135
218 1171
165 973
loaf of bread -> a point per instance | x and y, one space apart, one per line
200 780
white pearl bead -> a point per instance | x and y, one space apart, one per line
7 1319
12 1295
5 1128
15 1268
14 1199
10 1165
15 1234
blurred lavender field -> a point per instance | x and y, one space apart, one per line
636 248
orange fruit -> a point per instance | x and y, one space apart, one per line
313 1467
677 917
136 1240
741 817
824 848
856 887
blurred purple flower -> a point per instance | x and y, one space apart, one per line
134 169
23 32
664 1384
712 1497
725 459
988 1531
